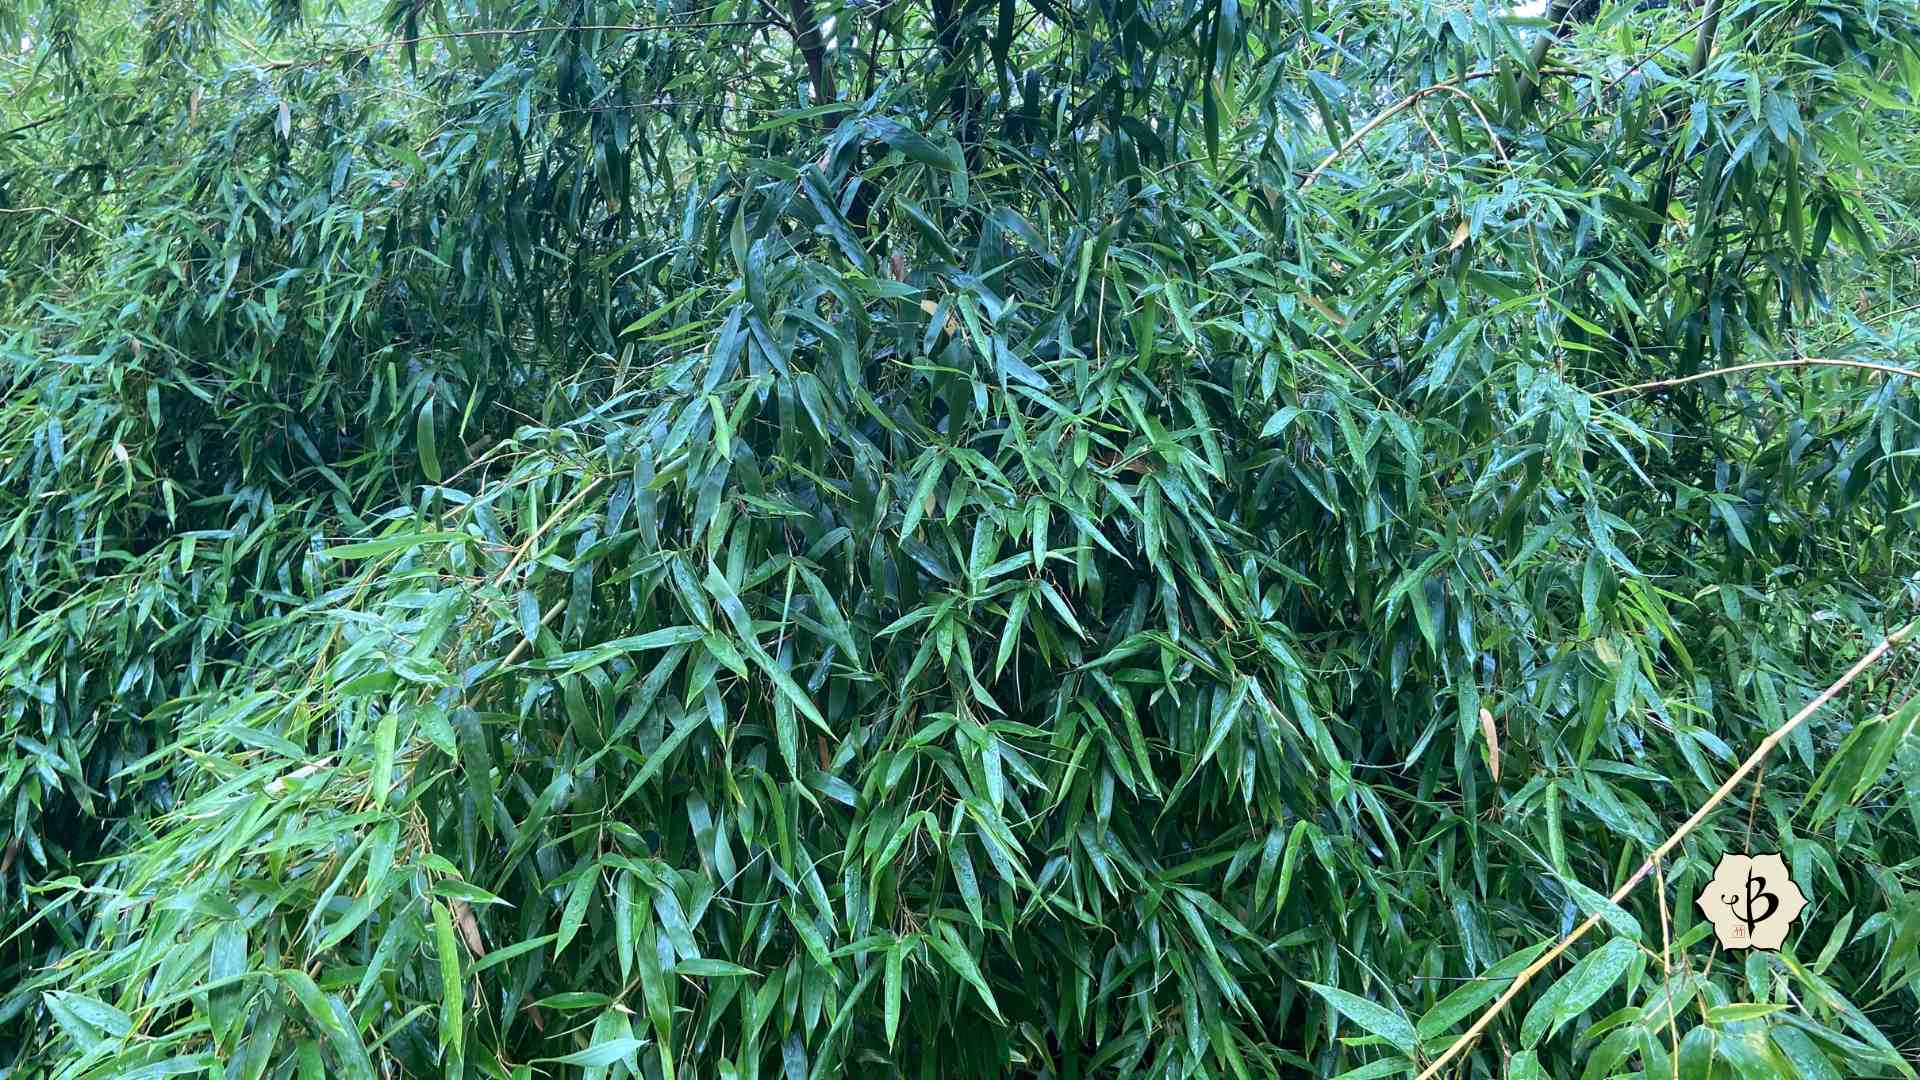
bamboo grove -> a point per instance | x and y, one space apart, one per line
1039 538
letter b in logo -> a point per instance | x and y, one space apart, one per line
1751 901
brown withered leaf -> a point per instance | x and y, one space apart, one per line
469 928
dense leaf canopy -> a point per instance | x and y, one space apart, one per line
1050 538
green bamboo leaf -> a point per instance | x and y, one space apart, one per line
1371 1018
1805 1056
710 969
1741 1011
1543 1014
910 143
573 663
425 437
963 876
958 956
507 952
1526 1066
453 1006
1592 977
88 1021
330 1018
384 735
389 544
574 913
1374 1070
896 951
743 625
600 1054
1468 1000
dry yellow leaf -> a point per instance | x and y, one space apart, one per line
931 308
1492 733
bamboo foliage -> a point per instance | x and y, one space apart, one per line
583 538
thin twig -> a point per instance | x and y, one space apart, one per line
54 212
1666 966
31 124
527 545
526 642
1660 49
1391 111
513 31
775 17
1802 361
1885 315
1475 106
1673 841
1753 804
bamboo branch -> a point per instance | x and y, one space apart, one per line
1802 361
1451 86
526 642
527 545
1660 49
513 31
52 212
1753 761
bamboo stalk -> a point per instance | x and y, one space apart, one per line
1702 52
805 28
1556 13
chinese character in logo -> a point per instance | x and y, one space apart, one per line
1751 901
